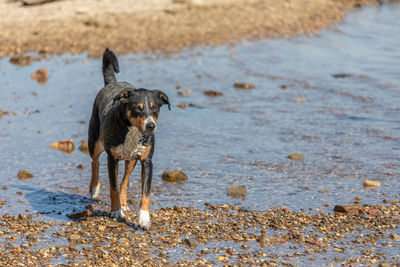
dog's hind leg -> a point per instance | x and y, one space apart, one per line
94 187
147 173
129 166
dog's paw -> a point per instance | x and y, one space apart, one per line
94 193
144 219
117 214
125 209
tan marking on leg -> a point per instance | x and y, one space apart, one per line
145 152
115 202
145 203
129 167
94 181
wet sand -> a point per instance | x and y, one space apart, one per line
159 25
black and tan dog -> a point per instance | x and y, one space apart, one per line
122 124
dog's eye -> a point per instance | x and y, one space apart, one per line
139 107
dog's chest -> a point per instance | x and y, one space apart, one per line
132 148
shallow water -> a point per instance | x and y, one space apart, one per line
347 128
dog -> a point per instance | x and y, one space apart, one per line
122 124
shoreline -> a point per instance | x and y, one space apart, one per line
159 26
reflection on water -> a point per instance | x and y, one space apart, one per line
334 98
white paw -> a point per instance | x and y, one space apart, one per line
144 219
117 214
95 192
125 208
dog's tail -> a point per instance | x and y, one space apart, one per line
110 65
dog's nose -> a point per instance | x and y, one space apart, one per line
150 126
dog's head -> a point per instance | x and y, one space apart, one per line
141 107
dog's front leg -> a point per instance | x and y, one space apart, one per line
116 211
147 174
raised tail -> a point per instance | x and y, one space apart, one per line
110 65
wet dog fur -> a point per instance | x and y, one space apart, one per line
122 124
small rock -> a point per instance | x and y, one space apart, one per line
211 93
1 113
4 188
32 238
74 237
84 147
66 146
370 183
113 225
182 105
351 209
191 242
244 85
80 167
300 99
174 176
184 93
80 215
341 75
270 241
22 175
237 191
394 236
222 259
21 60
296 156
41 75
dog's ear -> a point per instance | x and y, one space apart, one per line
123 96
163 98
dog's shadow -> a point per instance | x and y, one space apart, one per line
61 205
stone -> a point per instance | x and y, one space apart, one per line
370 183
23 174
212 93
191 242
84 147
270 241
74 237
32 238
41 75
351 209
237 191
66 146
174 176
244 85
296 156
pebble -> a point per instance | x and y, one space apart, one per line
212 93
84 147
191 242
243 85
41 75
370 183
237 191
174 176
74 237
66 146
296 156
182 105
23 174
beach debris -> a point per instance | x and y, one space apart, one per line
84 147
174 176
237 191
184 93
23 174
350 209
296 156
41 75
341 75
21 60
182 105
370 183
191 242
36 2
243 85
80 215
66 146
212 93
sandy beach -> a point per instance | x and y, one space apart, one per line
158 25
